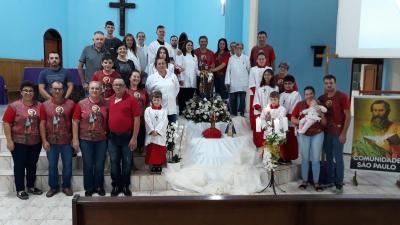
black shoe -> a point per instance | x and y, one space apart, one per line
153 169
281 161
159 170
126 191
101 192
115 191
88 193
51 193
22 195
35 191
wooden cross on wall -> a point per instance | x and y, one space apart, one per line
122 5
327 55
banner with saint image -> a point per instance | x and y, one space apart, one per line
376 135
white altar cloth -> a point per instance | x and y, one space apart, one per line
219 166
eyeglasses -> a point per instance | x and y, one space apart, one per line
58 89
27 90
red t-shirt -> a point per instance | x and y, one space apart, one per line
300 106
122 114
268 51
143 100
24 122
335 116
92 118
219 59
58 121
106 81
205 59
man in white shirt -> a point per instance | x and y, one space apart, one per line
174 44
142 55
153 47
237 80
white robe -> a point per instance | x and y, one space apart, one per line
255 77
262 97
279 113
141 53
237 73
169 87
134 58
152 50
156 120
190 70
289 100
174 53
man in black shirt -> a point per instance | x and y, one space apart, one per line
111 42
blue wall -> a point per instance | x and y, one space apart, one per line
76 20
294 26
23 24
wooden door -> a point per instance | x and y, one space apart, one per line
50 46
370 81
52 43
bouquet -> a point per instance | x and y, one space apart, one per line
198 109
275 136
175 136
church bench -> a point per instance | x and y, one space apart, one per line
237 210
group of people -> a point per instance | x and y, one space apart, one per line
134 91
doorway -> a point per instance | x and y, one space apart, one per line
52 43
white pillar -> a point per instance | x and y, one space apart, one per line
253 24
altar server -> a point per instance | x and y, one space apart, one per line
156 121
237 79
289 99
255 78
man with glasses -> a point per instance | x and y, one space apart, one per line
56 134
53 73
123 123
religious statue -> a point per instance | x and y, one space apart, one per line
206 84
230 129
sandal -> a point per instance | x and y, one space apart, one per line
318 188
303 186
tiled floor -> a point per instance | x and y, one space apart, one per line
39 210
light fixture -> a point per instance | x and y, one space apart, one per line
223 3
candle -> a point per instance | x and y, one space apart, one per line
285 124
258 124
277 126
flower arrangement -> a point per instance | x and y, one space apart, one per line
198 109
175 135
274 137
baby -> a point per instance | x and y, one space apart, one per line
311 116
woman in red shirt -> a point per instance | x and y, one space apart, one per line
136 90
21 128
222 56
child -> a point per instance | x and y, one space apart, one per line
255 77
311 116
274 111
289 99
261 100
106 76
156 122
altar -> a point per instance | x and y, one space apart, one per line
228 165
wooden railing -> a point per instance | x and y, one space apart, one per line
237 210
378 92
13 71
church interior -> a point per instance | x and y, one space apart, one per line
356 41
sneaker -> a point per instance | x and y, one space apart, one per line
328 185
68 191
101 192
22 195
88 193
338 190
51 193
35 191
126 191
115 191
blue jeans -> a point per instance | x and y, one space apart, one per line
334 151
93 155
119 151
66 156
25 158
310 149
219 84
234 98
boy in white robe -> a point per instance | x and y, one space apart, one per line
156 122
